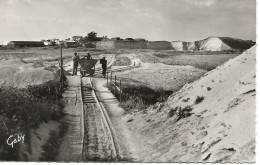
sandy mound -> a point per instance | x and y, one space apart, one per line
190 46
21 74
158 75
122 61
218 127
213 44
177 45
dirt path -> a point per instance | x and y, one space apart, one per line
131 148
71 148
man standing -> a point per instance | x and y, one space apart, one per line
104 66
75 59
89 56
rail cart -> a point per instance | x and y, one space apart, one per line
87 66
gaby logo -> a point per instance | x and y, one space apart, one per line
15 139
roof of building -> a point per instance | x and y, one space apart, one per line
27 42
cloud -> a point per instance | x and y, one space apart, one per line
203 3
154 20
12 2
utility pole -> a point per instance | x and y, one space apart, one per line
61 67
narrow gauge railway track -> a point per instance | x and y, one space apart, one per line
99 142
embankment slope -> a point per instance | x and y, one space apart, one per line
20 74
219 127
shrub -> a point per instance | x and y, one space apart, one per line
172 111
23 110
133 103
199 99
140 96
49 90
180 113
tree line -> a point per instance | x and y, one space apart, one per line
91 37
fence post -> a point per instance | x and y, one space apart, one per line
107 79
111 81
115 85
120 87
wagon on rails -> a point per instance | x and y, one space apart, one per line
87 66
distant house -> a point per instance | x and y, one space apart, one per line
57 41
129 39
25 44
49 43
116 39
99 38
70 44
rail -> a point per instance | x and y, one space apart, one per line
89 97
108 121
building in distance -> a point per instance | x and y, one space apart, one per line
25 44
70 44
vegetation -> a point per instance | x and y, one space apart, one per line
51 147
180 112
199 99
140 96
25 109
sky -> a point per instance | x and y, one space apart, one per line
169 20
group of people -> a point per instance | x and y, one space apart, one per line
75 59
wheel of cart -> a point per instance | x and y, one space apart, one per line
87 66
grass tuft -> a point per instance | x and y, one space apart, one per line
180 112
199 99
